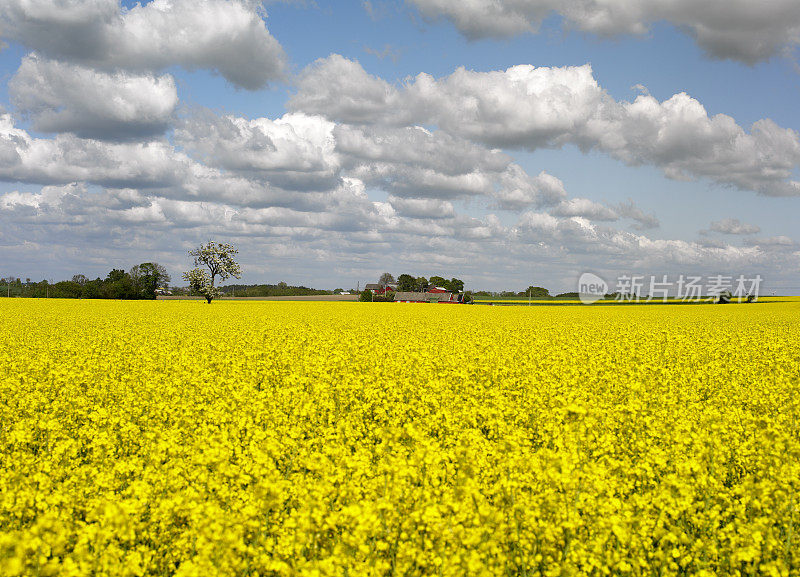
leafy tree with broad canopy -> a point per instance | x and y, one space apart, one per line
385 280
118 285
218 259
536 292
456 285
406 283
147 277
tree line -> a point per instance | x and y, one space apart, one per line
142 282
535 292
271 290
410 283
212 260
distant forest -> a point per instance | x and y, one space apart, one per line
271 290
148 280
143 281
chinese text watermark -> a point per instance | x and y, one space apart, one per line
684 288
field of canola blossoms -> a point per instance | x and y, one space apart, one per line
281 438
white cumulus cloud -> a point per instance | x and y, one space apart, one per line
531 108
63 97
737 29
295 151
225 36
585 208
734 226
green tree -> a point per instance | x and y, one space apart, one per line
536 292
439 281
456 285
218 258
147 277
93 289
406 283
118 285
5 290
385 280
421 284
115 275
365 296
67 289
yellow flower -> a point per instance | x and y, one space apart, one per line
278 438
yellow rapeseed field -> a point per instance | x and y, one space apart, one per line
350 439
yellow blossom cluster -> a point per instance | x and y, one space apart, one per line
359 439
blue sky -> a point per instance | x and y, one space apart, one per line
253 132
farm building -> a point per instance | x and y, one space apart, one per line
427 297
378 289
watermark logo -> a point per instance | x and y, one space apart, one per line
683 288
591 288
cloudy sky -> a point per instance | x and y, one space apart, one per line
506 142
